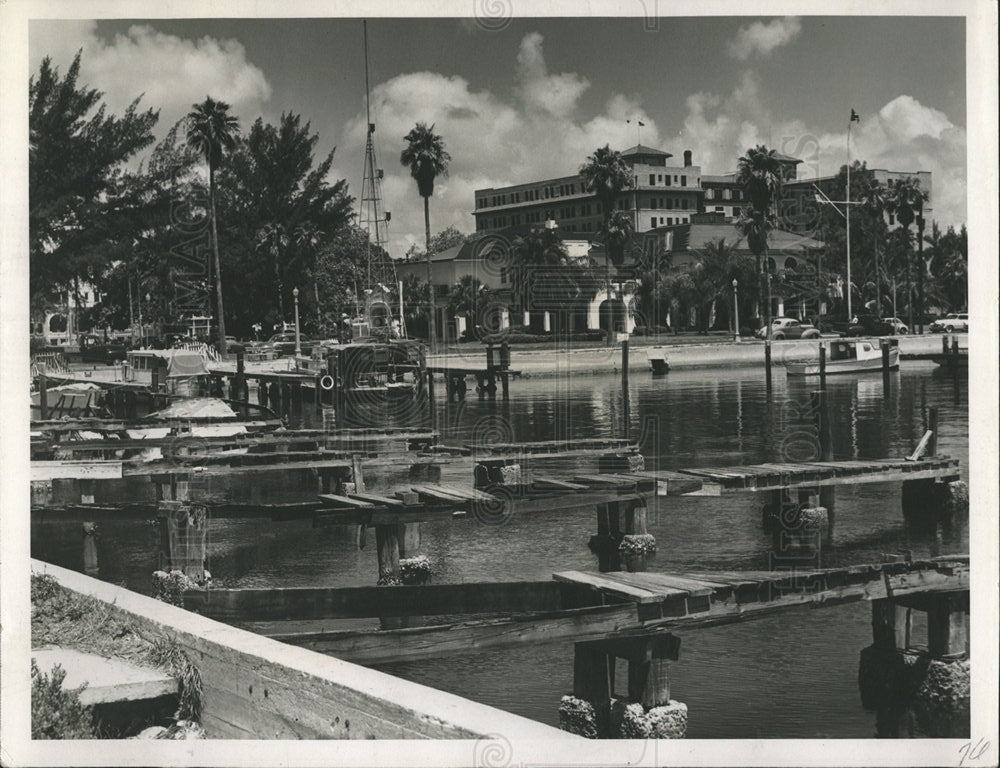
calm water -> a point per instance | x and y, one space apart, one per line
792 676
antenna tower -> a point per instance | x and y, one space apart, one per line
374 218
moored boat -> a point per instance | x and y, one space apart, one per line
657 357
848 356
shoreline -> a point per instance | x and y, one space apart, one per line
685 355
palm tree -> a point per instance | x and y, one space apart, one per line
426 158
759 173
873 201
606 175
906 200
212 131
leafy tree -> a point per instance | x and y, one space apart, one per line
75 165
469 298
427 159
212 131
606 175
341 271
948 267
759 173
282 213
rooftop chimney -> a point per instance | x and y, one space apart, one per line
687 158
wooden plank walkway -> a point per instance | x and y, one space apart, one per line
593 606
718 481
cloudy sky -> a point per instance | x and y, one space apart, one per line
524 99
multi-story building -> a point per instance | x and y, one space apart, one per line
663 193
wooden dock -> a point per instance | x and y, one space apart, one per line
256 688
574 606
719 481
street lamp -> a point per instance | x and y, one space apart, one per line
298 344
736 311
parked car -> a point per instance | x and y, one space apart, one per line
789 328
96 350
284 344
951 323
233 345
870 325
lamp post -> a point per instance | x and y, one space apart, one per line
149 311
298 344
736 311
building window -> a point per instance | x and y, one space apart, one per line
659 177
652 179
892 219
719 209
727 194
652 222
670 221
670 203
684 203
668 179
684 181
675 178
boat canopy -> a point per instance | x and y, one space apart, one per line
178 362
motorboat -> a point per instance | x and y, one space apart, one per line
848 356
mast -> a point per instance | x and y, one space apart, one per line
380 271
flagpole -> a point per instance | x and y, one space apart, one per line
850 315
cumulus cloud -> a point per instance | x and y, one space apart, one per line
762 38
493 141
904 135
555 94
171 73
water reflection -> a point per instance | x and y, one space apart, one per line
684 419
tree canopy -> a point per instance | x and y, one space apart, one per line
76 190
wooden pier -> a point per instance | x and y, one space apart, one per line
256 688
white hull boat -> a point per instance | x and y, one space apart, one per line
848 356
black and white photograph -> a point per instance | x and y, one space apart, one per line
489 384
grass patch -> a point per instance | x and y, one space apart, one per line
69 620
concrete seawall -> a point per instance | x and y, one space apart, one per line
599 359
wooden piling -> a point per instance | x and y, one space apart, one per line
884 345
431 405
947 624
822 366
932 427
387 541
43 397
767 364
626 415
892 625
90 564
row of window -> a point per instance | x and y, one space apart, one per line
530 195
669 203
664 179
726 193
667 220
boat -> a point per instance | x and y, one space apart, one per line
657 357
848 356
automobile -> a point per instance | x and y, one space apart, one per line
951 323
870 325
96 350
284 344
233 345
897 327
789 328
